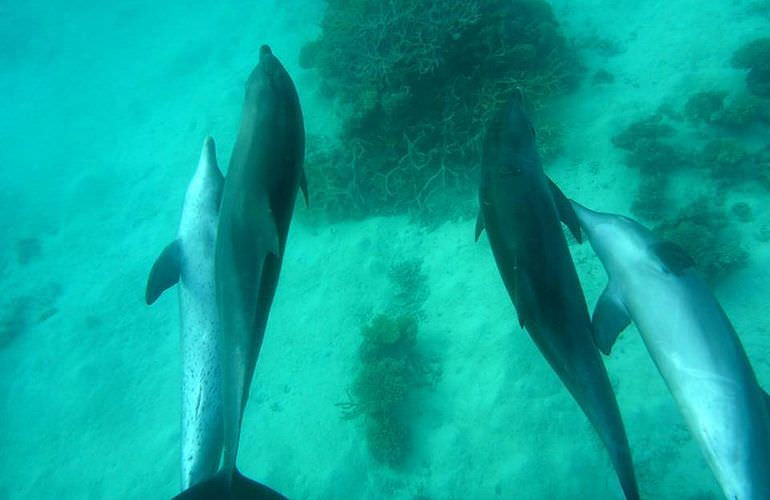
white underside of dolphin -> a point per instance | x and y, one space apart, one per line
190 260
695 348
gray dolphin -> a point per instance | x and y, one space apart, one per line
190 260
265 172
691 341
520 209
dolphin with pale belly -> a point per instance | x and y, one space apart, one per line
264 175
695 348
189 260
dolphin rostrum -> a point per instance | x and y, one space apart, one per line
190 260
691 341
265 172
520 210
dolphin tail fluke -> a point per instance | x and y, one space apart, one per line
165 272
236 487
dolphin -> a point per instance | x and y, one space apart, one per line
520 210
695 348
260 189
189 260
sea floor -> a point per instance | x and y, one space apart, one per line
103 109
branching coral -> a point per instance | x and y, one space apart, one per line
387 337
417 82
409 285
392 369
390 372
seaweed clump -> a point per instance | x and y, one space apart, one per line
755 56
390 372
384 392
703 230
416 83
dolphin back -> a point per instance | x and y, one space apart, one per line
265 173
521 210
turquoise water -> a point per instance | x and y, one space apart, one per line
102 112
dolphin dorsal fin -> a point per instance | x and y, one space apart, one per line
674 258
479 224
566 212
609 319
165 271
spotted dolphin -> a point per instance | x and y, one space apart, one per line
692 342
520 210
189 260
264 175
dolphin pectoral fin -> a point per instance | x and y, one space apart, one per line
303 186
236 487
271 238
524 301
165 272
566 212
674 258
609 319
479 224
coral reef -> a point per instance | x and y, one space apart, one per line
651 128
703 230
741 111
416 83
755 56
390 372
387 337
705 106
409 285
388 438
384 389
650 150
652 201
727 160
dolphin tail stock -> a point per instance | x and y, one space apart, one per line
612 433
624 469
226 486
